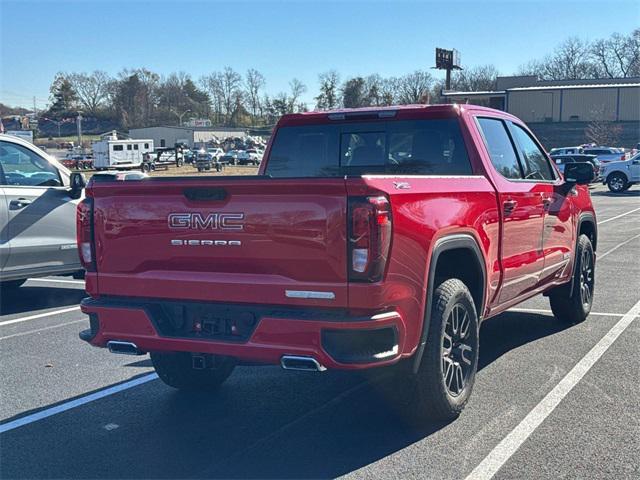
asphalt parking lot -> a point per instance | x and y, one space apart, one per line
550 400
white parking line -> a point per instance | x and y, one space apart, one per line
51 280
39 315
63 407
600 257
21 334
618 216
510 444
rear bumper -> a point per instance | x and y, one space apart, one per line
331 337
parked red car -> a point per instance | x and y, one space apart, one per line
369 238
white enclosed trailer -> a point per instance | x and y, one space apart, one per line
114 153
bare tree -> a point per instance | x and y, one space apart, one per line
414 87
328 98
254 83
569 61
212 83
475 79
91 89
297 90
617 56
603 132
389 91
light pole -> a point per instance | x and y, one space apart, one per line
180 115
79 122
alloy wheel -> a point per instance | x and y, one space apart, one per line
586 278
458 342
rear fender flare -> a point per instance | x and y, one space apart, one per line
449 242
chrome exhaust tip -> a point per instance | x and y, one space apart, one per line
123 348
307 364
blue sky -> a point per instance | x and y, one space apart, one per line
283 39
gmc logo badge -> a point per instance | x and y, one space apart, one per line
212 221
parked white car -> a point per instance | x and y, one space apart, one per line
619 176
566 151
605 154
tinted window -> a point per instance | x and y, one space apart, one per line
117 148
535 163
129 147
135 146
427 147
500 148
310 151
23 167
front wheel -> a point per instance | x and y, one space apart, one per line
617 182
447 370
572 303
176 369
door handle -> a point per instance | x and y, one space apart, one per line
19 203
509 206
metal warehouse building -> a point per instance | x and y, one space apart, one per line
616 100
169 136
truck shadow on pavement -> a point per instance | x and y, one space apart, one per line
30 299
263 423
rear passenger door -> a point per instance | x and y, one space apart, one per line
558 233
522 212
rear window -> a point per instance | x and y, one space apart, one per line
418 147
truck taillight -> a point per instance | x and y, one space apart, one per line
84 232
369 237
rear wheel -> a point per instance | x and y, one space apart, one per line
447 370
617 182
176 369
572 303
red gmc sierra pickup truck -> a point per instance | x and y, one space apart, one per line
369 238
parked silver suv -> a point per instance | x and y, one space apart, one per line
619 176
38 199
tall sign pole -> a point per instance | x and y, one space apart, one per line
447 60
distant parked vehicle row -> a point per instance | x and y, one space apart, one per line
603 154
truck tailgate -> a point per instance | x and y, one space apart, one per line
234 239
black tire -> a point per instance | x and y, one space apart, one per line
176 370
12 284
447 370
617 182
572 303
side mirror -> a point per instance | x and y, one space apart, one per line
582 173
78 182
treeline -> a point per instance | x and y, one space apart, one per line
140 97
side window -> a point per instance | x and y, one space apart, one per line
146 145
23 167
135 146
117 148
310 151
536 166
498 143
129 147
